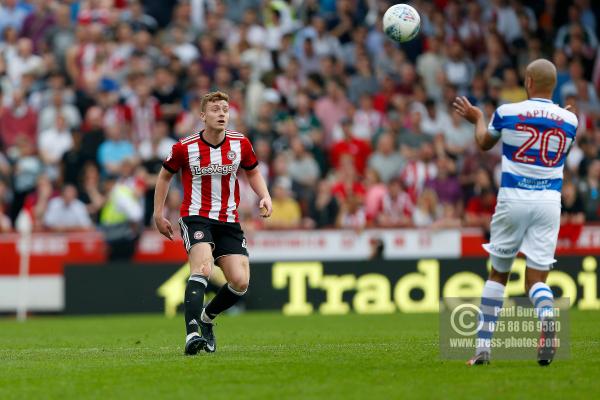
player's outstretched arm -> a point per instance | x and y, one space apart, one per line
258 184
474 115
160 195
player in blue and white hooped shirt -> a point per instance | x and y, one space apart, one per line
536 136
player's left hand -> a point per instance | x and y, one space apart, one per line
266 207
468 111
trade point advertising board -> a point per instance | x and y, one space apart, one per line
296 272
306 287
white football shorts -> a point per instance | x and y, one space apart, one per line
529 227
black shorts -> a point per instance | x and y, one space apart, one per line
225 237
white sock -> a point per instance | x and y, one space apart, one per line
492 299
191 335
542 299
205 318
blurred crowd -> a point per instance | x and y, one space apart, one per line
352 130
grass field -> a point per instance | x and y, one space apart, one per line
268 356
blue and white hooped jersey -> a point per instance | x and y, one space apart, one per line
536 136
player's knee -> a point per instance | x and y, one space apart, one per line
201 265
239 283
240 280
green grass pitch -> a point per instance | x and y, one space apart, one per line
268 356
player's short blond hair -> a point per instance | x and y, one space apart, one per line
211 98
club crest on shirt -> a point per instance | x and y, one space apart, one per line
198 235
231 155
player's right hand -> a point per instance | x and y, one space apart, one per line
164 226
468 111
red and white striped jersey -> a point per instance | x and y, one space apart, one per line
209 174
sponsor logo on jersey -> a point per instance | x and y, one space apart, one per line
214 169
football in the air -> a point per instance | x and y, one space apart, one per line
401 22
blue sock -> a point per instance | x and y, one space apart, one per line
492 299
542 299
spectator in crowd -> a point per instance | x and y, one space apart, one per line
430 67
512 91
352 214
25 173
304 117
12 15
363 82
189 121
367 122
5 167
358 149
67 213
386 160
121 217
413 138
427 210
565 35
24 61
90 191
48 114
304 169
420 168
433 119
323 207
38 23
53 143
142 109
397 206
332 108
347 181
158 145
115 150
375 191
458 68
18 120
590 191
480 208
286 210
458 135
445 184
36 202
61 36
573 211
5 222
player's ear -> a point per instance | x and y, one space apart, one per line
528 83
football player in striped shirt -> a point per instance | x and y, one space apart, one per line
536 136
209 162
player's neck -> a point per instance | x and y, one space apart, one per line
212 136
547 96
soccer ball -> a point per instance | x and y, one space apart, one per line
401 22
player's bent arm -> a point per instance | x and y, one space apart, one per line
485 140
258 184
160 196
